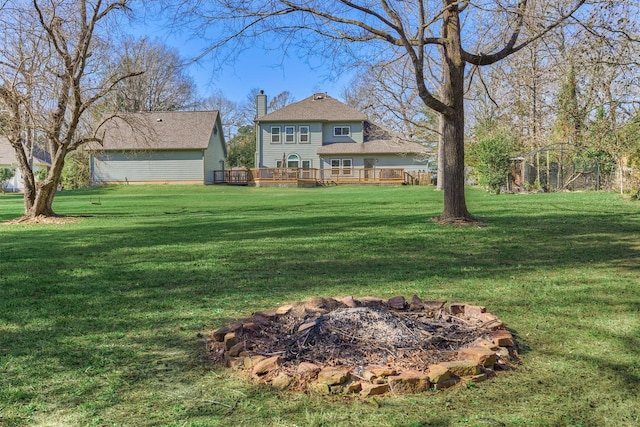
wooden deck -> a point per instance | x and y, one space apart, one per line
318 177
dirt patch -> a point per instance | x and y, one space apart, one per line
368 340
42 219
472 221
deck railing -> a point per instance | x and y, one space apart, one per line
319 176
330 175
231 176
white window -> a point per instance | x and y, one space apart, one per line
275 134
346 166
341 166
290 134
335 166
306 172
341 131
304 134
293 161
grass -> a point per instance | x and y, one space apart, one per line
101 321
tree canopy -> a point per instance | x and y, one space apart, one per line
444 41
164 84
51 77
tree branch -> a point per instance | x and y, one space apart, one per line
378 33
511 47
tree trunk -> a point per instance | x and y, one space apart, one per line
30 192
40 200
42 204
440 176
455 206
452 123
28 179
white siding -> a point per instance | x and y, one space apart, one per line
148 167
15 183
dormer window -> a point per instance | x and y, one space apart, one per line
342 131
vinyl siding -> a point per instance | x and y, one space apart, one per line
408 162
271 153
357 133
15 183
170 166
316 135
214 155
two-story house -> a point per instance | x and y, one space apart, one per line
323 133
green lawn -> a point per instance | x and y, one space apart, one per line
101 321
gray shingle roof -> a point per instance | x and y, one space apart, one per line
377 140
318 107
377 146
8 154
322 107
159 131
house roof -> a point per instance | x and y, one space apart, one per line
8 154
182 130
322 107
377 140
376 146
318 107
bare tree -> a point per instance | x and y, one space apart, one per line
577 87
282 99
50 78
239 114
231 112
164 85
519 93
386 92
438 37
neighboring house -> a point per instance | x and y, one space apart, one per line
41 161
321 132
182 147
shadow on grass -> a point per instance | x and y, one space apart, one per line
228 255
131 296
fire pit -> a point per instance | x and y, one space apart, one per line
366 346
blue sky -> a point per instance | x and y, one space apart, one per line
270 71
